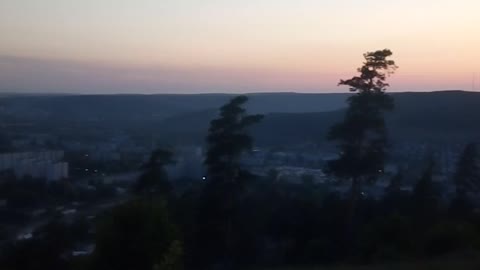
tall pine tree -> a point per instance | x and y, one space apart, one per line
466 179
154 179
467 175
362 135
425 197
227 140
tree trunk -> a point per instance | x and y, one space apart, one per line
351 212
354 193
228 240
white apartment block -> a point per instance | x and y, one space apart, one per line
47 165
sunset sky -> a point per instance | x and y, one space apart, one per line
197 46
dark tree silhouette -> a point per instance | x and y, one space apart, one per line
395 182
466 179
226 141
395 200
137 235
425 197
154 179
467 175
362 135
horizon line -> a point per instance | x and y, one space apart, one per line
10 93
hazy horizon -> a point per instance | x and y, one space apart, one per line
88 47
36 93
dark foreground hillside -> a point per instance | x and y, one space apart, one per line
445 264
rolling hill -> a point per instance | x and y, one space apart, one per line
291 118
436 116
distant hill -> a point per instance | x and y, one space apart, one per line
154 107
291 118
436 116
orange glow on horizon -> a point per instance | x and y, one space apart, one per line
218 46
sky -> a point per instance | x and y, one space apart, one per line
199 46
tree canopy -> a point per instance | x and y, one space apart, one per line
362 135
227 140
155 178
